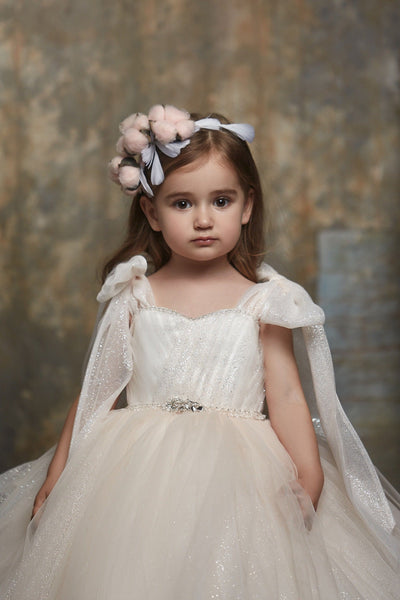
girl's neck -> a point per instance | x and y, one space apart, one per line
195 288
180 267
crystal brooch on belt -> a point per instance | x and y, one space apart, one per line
179 405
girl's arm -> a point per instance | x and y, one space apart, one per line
59 459
288 410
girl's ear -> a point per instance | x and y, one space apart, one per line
148 206
248 207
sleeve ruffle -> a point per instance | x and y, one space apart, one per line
121 276
279 301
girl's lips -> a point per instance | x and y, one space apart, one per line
204 241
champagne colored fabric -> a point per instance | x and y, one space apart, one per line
160 504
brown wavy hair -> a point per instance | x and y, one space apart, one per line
250 248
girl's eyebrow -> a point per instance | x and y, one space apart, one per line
230 192
173 195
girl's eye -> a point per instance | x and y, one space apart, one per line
182 204
221 202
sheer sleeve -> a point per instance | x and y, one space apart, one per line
109 367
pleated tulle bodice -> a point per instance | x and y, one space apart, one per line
213 360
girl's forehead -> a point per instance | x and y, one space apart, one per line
206 175
211 165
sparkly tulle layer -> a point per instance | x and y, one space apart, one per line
163 506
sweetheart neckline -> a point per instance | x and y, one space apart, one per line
236 307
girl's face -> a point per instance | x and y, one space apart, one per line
200 209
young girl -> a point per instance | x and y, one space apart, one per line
190 491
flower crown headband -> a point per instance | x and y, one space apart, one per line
165 129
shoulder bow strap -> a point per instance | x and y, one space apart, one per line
121 276
110 364
279 301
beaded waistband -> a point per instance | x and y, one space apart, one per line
180 405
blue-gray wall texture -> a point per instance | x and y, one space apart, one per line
319 80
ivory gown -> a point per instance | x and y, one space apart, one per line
187 493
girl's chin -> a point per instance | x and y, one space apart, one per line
200 256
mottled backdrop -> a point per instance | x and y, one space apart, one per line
319 79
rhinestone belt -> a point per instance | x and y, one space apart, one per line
180 405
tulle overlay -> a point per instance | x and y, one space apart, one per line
161 504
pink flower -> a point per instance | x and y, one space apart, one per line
134 140
165 120
113 168
142 122
141 134
128 122
185 128
164 131
137 120
174 115
157 113
129 178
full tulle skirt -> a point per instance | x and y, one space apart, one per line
164 506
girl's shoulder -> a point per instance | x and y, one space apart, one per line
277 300
274 299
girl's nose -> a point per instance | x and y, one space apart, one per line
203 218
